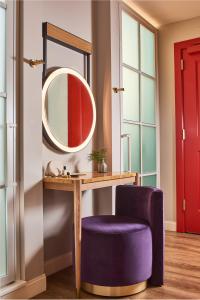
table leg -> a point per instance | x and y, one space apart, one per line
77 234
137 179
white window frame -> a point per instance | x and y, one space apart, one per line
141 21
10 184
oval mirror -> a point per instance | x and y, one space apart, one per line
68 110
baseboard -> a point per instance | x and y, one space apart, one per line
58 263
170 225
24 289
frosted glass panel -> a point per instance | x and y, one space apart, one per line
129 40
147 100
3 238
2 49
149 180
148 149
134 131
147 44
130 95
2 140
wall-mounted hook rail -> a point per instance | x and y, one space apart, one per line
34 62
117 90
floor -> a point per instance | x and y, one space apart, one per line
182 274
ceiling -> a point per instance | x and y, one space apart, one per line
168 11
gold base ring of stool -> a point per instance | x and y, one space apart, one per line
114 291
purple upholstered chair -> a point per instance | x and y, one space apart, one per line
120 253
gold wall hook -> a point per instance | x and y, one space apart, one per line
34 62
117 90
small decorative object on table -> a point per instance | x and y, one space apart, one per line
99 157
53 169
65 173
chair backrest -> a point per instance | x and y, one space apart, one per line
145 203
139 202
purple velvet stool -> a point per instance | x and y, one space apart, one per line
120 253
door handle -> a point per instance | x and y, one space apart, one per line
117 90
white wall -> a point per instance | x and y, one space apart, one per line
56 207
168 35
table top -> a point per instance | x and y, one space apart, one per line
90 177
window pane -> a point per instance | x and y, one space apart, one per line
2 140
147 44
147 100
129 41
130 95
148 149
2 49
3 239
149 180
134 131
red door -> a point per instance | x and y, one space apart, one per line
188 135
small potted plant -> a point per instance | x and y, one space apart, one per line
99 157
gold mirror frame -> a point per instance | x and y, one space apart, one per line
52 139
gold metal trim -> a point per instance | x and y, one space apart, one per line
117 90
114 291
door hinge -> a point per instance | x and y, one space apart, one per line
184 205
182 64
183 134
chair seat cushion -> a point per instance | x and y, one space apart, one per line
116 250
109 224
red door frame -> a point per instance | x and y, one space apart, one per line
178 50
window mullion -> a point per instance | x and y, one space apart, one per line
140 126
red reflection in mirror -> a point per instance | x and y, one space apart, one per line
80 113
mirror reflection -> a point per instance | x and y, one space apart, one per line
69 110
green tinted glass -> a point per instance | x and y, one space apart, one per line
129 40
130 95
149 180
3 237
134 131
147 100
2 49
147 45
2 140
148 149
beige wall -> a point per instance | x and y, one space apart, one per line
48 216
75 17
168 35
107 58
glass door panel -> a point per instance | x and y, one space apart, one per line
134 131
131 109
3 233
2 141
3 202
2 49
129 41
147 45
147 100
149 180
148 149
138 109
7 175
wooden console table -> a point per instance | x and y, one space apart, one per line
77 185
